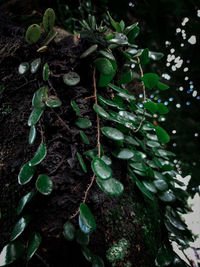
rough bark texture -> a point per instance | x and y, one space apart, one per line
117 217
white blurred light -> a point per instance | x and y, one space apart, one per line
178 105
174 131
192 40
185 69
185 20
180 88
194 94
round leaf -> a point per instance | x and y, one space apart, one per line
24 200
83 123
44 184
53 102
33 33
69 231
87 218
39 97
39 155
162 135
101 169
113 133
33 245
126 77
101 112
11 252
124 153
162 109
104 66
161 184
167 196
35 116
111 186
151 106
82 238
35 65
23 68
19 227
26 173
150 80
71 78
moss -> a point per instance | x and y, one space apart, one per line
118 251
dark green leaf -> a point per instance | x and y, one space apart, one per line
83 123
87 253
33 245
44 184
91 153
151 106
82 238
111 186
46 72
162 109
115 24
101 169
161 185
130 28
97 262
150 80
71 78
105 79
35 64
126 77
107 101
139 166
53 102
164 257
130 140
124 153
106 54
144 190
87 217
33 34
113 133
133 34
11 252
150 186
104 66
24 200
32 135
35 116
75 108
84 137
2 88
26 173
19 227
69 231
144 58
162 86
81 161
162 135
167 196
89 51
23 68
39 155
39 98
101 112
175 219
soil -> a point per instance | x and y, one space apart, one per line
49 213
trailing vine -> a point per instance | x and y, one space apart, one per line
127 121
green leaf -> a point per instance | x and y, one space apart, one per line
133 34
144 190
130 140
87 253
101 169
105 79
126 77
26 173
155 55
162 86
35 116
23 68
162 109
81 161
152 144
107 55
33 245
39 97
162 135
164 257
113 133
151 106
89 51
106 159
150 80
69 231
82 238
32 135
175 219
101 112
71 78
87 217
39 155
104 66
167 196
139 166
124 153
144 58
115 24
33 34
11 252
83 123
48 20
150 186
53 102
130 28
75 108
19 227
44 184
91 153
111 186
84 137
161 185
2 88
97 261
35 64
24 200
84 228
46 72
